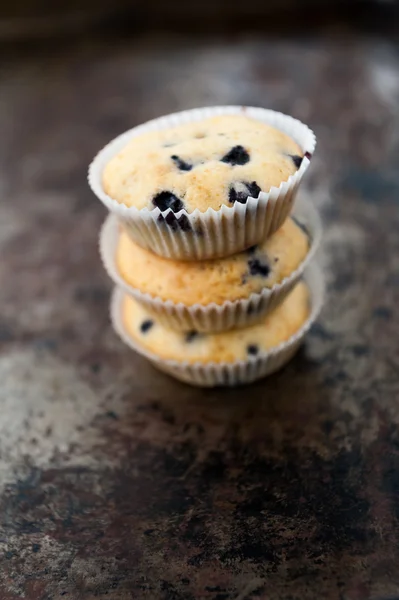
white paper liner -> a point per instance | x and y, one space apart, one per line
212 317
213 233
228 374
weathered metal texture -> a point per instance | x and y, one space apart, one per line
117 482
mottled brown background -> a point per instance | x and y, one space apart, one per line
117 482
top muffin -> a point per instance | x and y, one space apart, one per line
208 163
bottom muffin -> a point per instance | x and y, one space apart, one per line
277 339
223 347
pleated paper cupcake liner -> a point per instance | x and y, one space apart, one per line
228 374
214 233
212 317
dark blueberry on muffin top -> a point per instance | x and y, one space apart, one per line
146 325
257 267
165 200
180 163
236 156
240 191
252 349
297 160
191 335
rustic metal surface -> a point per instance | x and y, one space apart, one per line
117 482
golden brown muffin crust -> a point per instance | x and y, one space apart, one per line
203 282
228 346
220 160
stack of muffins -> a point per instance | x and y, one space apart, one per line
207 250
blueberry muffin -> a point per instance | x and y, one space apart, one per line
217 161
227 346
218 280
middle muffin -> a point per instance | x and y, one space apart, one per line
211 295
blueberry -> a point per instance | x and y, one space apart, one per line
146 325
237 196
297 160
191 335
254 189
240 191
308 155
256 267
252 349
174 222
165 200
180 163
236 156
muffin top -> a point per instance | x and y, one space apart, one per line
227 346
216 161
218 280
